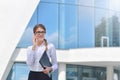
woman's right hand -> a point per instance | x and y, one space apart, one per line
34 42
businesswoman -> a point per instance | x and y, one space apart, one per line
34 53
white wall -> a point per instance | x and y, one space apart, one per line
14 17
91 54
99 56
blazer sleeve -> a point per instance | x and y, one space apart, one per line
30 56
53 58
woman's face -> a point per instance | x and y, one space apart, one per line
39 34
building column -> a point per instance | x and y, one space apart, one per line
62 71
110 72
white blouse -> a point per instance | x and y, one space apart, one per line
33 57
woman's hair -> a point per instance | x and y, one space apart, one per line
43 27
39 26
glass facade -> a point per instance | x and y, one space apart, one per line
20 71
86 27
78 72
68 32
77 24
116 74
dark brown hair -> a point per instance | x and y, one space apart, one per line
39 26
43 27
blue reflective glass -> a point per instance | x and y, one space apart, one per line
86 2
48 15
113 30
86 27
65 16
68 26
79 72
26 39
69 1
102 4
101 27
20 71
49 0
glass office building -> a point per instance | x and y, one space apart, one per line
74 24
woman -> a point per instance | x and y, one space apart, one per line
34 53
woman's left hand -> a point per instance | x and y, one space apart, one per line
47 70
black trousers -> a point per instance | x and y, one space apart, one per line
38 76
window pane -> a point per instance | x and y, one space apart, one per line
116 73
79 72
49 1
114 5
101 18
68 26
86 27
70 1
71 72
20 71
114 29
102 4
81 2
86 2
48 15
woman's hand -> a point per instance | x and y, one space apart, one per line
47 70
34 42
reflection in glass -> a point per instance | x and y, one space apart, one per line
100 25
76 72
49 0
77 23
68 26
70 1
71 72
86 2
116 73
102 4
48 15
20 71
86 27
114 29
104 41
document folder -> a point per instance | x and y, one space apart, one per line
44 61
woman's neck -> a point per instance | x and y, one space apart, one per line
39 43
